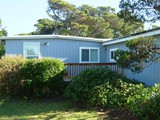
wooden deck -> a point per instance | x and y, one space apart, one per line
73 69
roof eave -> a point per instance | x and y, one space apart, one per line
52 37
152 33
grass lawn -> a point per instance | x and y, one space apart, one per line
45 110
54 110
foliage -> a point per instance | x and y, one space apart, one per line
100 87
131 27
85 21
2 48
43 77
113 95
145 103
146 10
45 26
31 78
3 32
10 76
142 52
104 88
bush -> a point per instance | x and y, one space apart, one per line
145 103
43 77
105 88
100 87
113 95
10 76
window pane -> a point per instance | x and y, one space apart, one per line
94 55
31 50
85 55
112 54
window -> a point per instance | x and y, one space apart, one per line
31 50
112 53
89 55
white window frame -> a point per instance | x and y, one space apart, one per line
110 54
31 43
89 48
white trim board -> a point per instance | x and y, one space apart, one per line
151 33
89 48
113 49
35 37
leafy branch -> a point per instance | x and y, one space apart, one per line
141 53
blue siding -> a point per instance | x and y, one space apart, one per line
13 48
150 75
67 50
109 47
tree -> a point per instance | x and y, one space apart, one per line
3 32
85 21
155 26
81 21
146 10
119 26
130 27
45 26
141 52
61 13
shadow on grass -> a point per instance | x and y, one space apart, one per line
115 114
40 109
57 109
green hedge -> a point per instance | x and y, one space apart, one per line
43 77
105 88
31 78
145 103
10 75
100 87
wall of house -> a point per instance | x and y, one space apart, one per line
67 50
114 46
150 75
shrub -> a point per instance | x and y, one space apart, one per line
80 87
145 103
10 76
100 87
43 77
113 95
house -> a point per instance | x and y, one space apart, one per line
82 50
67 48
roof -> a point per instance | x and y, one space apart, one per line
37 37
146 33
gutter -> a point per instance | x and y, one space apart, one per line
31 37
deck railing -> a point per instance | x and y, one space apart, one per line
73 69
